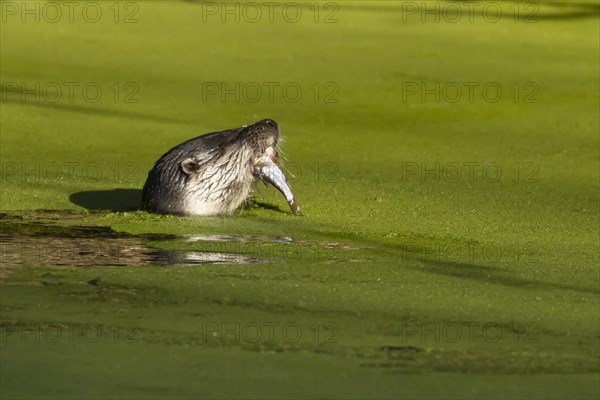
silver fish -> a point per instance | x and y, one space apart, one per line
269 172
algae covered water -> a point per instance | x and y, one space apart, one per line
446 164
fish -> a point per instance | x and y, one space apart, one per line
268 171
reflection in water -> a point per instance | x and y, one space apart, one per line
19 249
22 250
38 241
238 239
200 257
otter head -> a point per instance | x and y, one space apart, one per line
213 174
262 137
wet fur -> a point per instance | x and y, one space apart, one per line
210 174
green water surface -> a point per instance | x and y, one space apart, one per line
449 247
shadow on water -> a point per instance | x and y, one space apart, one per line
121 200
431 259
492 275
115 200
261 204
16 94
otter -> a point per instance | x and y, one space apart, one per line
214 174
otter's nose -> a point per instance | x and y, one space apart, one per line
269 122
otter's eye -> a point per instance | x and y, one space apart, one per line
271 123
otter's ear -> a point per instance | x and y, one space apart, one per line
190 166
